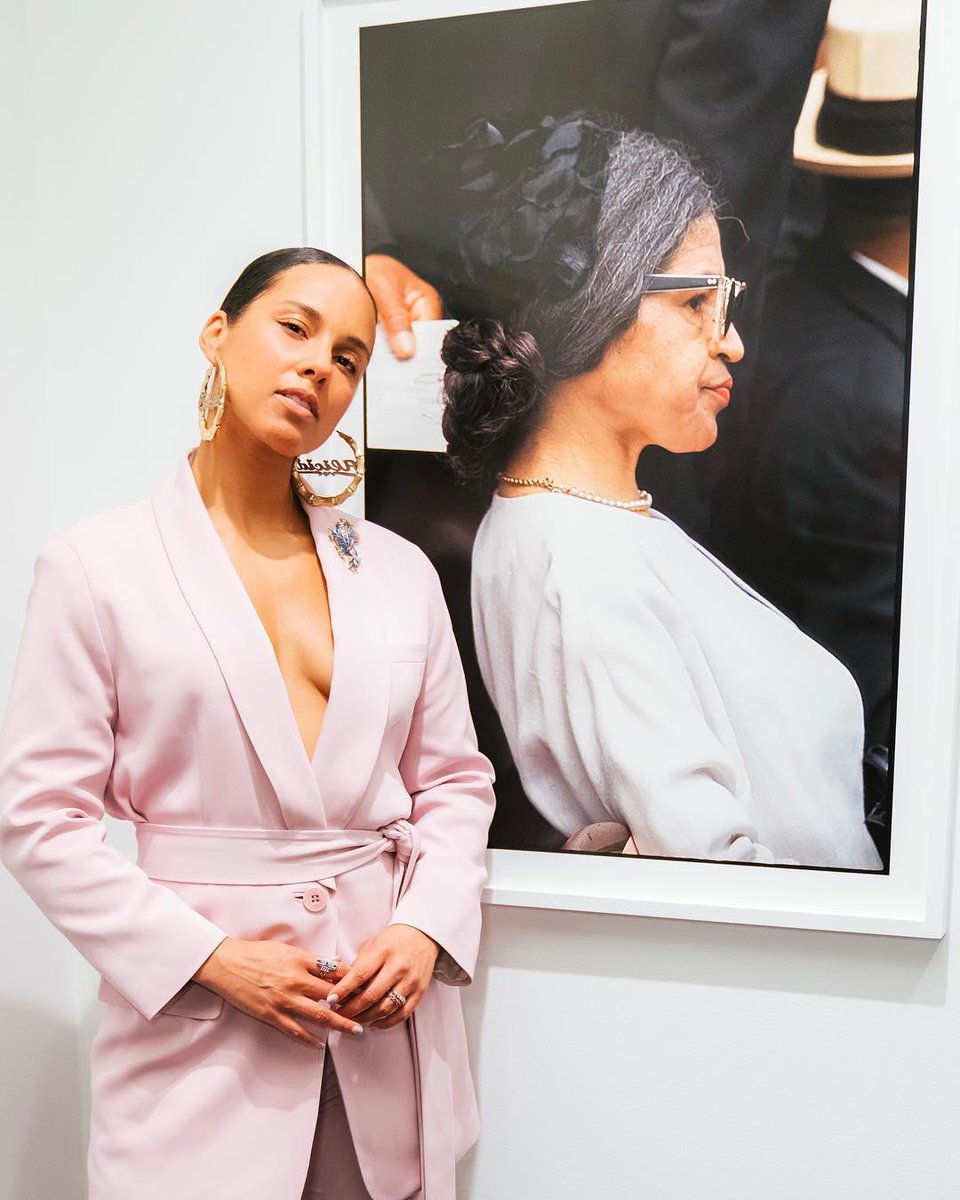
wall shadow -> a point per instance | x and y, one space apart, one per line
814 962
40 1107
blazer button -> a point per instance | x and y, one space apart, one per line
315 899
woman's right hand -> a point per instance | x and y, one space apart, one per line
278 984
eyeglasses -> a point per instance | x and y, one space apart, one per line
729 302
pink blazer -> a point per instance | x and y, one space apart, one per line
146 687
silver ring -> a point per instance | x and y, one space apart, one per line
327 966
397 1000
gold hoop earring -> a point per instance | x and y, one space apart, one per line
329 466
210 405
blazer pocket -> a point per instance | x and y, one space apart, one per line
191 1001
407 665
407 652
196 1002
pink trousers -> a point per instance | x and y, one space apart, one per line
334 1173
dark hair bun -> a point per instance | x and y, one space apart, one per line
494 385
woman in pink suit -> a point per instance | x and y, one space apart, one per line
271 692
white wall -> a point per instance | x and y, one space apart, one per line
620 1057
153 149
39 1079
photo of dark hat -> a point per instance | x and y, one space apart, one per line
859 117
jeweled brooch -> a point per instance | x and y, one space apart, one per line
345 538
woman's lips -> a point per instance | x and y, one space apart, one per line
722 391
299 402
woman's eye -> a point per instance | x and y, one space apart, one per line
347 363
293 326
696 302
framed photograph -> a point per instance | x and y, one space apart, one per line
739 704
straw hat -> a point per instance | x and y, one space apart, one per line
859 116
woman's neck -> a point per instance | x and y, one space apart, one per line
247 486
575 452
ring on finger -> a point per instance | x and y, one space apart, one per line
327 966
397 999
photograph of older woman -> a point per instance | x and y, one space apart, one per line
726 77
638 680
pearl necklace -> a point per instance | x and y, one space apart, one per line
643 501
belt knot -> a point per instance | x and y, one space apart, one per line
405 838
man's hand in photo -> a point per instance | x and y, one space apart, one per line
402 298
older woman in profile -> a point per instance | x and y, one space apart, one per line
271 692
638 681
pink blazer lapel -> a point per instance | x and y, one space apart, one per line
349 746
225 614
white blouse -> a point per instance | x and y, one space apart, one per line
639 680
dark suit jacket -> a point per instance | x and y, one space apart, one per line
816 523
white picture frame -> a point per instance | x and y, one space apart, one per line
911 900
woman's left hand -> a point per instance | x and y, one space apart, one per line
401 960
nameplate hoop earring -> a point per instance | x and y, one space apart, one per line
213 400
354 467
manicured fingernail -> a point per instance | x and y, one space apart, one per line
332 998
404 345
357 1029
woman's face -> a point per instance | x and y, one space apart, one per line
293 358
665 380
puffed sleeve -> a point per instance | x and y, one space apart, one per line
620 699
56 757
451 784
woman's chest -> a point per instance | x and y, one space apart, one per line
203 694
288 593
289 598
758 660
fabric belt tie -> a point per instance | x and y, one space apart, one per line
205 854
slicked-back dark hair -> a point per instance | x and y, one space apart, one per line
259 275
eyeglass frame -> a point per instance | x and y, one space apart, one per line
729 294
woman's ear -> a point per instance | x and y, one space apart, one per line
213 335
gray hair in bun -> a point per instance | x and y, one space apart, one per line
498 373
